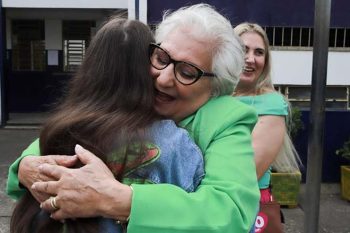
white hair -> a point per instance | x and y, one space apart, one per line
205 23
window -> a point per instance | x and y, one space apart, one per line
337 97
303 37
28 45
76 38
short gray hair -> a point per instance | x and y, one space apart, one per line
209 25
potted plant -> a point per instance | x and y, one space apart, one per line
286 185
296 124
345 170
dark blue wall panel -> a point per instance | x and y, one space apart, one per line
337 130
267 13
34 91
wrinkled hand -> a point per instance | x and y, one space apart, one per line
28 171
88 191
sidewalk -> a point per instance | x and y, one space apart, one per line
334 212
12 142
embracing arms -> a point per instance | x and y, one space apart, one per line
25 171
227 198
225 201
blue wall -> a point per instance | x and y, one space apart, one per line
267 13
34 91
337 130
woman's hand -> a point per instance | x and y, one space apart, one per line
28 171
84 192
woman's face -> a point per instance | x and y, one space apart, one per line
173 99
254 58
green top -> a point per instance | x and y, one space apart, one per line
271 103
227 198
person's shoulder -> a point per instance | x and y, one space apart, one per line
220 116
165 123
274 96
225 104
227 108
271 103
165 127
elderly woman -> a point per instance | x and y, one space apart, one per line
195 64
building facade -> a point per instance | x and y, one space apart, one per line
43 42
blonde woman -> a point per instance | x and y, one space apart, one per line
271 141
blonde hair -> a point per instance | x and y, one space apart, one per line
264 81
287 159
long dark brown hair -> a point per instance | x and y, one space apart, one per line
108 105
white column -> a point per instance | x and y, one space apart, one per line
53 34
131 9
8 34
53 40
143 11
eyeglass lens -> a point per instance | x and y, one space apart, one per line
184 72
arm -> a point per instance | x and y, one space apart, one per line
13 187
227 198
89 191
225 201
24 171
267 136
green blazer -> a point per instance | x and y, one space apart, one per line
228 197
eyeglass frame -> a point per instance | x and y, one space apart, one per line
200 72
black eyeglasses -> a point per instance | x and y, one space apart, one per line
185 72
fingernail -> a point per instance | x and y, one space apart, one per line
79 149
33 187
41 205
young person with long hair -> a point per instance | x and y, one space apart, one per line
109 109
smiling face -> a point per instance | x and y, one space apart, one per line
254 59
173 99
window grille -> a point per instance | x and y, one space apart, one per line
28 45
337 97
74 53
76 38
302 37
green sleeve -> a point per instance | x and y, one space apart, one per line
13 188
228 196
272 103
